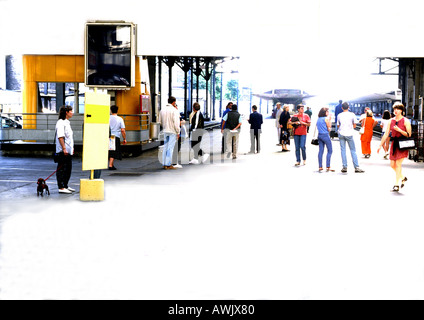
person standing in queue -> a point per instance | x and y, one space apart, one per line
256 121
368 123
324 128
400 127
309 113
300 122
117 129
177 147
337 111
197 124
232 123
346 125
278 112
169 119
285 133
64 149
227 109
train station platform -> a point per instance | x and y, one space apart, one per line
254 228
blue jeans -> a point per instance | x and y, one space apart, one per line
324 140
300 143
351 143
168 148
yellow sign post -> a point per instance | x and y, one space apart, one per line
95 144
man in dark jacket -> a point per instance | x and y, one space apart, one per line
197 124
232 123
255 120
227 109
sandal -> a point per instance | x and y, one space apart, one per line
395 189
403 182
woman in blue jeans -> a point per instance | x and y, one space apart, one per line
324 128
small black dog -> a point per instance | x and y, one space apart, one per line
41 187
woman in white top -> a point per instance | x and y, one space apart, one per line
385 123
64 149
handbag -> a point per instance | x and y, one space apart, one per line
362 131
294 119
112 143
315 141
58 157
407 144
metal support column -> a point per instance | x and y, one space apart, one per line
213 90
60 95
417 87
170 61
222 94
76 97
207 78
152 77
160 83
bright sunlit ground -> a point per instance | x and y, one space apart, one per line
258 228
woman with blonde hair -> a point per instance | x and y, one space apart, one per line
368 124
400 127
285 134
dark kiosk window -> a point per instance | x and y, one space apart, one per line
109 55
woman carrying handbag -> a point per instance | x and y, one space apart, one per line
400 128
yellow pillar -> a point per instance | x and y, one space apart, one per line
29 92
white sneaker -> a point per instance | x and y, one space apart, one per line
177 166
70 189
65 191
194 161
205 158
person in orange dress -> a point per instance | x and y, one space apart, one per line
369 123
399 127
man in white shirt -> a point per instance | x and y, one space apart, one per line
169 118
117 129
346 124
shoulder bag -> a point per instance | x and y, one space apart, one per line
314 140
406 143
362 130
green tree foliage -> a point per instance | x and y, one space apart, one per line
232 89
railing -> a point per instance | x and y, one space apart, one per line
40 127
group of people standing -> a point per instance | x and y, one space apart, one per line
64 141
172 126
394 129
345 125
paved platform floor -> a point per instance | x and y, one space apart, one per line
255 228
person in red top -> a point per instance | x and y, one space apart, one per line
400 127
300 123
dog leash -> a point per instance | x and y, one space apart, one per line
53 173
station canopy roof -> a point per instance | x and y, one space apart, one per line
376 97
284 95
